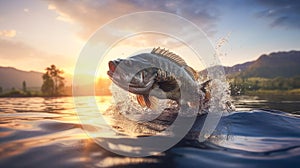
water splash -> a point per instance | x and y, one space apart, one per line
220 44
126 103
128 117
222 87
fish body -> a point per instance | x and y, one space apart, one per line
160 74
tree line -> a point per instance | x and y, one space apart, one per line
53 85
240 85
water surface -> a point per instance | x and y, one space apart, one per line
46 132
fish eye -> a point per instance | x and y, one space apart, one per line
145 73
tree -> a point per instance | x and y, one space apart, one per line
53 82
24 86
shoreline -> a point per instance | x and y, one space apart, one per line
41 96
292 92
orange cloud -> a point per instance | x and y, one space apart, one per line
90 15
61 15
25 57
8 33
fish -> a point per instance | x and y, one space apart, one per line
160 74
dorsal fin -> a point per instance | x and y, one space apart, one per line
169 55
192 72
176 58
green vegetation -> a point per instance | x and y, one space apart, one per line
53 85
24 86
273 74
257 85
53 82
19 93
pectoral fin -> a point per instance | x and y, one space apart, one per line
149 101
141 101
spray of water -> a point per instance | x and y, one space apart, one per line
222 87
128 117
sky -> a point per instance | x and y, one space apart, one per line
37 33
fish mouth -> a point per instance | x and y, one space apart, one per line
112 65
117 76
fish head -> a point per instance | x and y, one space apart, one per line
132 74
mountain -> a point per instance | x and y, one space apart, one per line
277 64
237 68
13 78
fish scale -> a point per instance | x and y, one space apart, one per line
186 83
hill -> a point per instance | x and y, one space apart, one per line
13 78
237 68
277 64
276 73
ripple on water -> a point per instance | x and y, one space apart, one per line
39 132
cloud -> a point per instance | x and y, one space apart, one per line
90 15
23 56
150 39
281 13
8 33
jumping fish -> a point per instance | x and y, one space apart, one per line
159 74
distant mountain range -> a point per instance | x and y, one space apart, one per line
278 64
13 78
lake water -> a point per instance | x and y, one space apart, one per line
46 132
